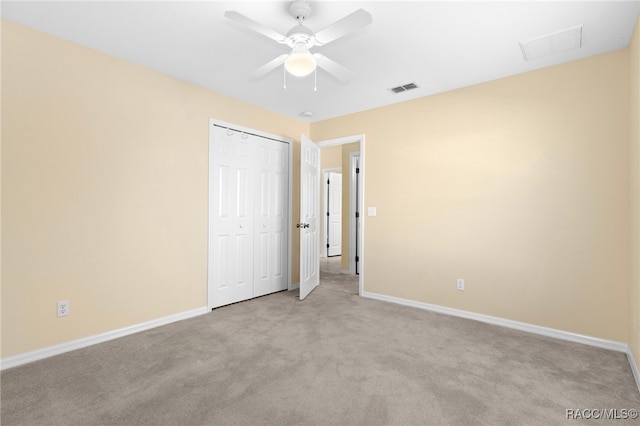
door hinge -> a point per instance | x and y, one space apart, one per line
328 181
357 214
327 245
357 169
327 214
357 259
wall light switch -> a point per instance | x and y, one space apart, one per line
371 211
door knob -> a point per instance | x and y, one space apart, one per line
302 225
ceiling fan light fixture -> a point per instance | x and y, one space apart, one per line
300 62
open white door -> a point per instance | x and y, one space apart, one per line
309 212
334 214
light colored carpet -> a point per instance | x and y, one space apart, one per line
331 278
332 359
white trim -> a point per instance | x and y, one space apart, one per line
345 271
516 325
354 162
634 367
224 124
294 286
361 181
38 354
290 224
341 141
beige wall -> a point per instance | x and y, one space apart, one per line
104 189
634 137
331 157
520 186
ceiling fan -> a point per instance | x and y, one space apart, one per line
301 62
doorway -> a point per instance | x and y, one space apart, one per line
353 176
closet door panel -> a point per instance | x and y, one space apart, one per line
279 158
270 217
231 233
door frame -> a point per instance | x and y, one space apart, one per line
325 206
211 203
354 244
361 186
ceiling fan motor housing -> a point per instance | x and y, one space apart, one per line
300 9
300 34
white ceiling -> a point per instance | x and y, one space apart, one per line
439 45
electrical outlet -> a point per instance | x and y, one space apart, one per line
63 308
460 284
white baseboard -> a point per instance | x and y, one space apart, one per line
345 271
294 286
530 328
24 358
634 367
27 357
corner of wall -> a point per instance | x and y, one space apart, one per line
634 200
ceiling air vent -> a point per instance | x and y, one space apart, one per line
403 88
550 44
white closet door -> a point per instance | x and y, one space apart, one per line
232 184
271 237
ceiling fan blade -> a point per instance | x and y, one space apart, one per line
255 26
269 66
350 23
338 71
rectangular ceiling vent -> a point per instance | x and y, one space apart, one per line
404 88
551 44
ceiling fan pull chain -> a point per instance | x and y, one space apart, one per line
284 77
315 80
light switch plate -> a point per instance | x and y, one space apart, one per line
371 211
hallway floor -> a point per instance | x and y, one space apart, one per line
332 279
